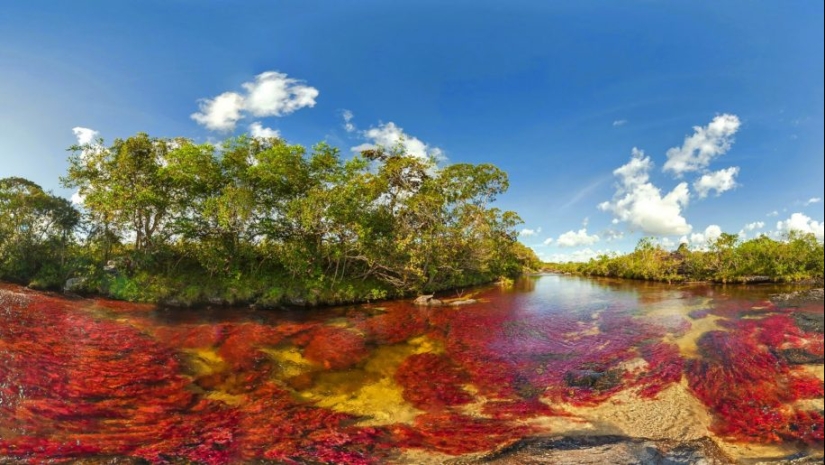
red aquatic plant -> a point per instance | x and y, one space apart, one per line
336 348
748 387
432 382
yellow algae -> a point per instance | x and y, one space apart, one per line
425 345
225 397
204 361
370 391
815 370
289 360
688 342
340 322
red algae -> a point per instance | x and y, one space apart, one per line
748 388
336 348
398 324
456 434
432 382
107 381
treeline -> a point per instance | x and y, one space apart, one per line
254 220
797 257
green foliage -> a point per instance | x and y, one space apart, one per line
35 234
260 220
797 257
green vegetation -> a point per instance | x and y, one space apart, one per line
259 221
795 258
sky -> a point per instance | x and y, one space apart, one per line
614 120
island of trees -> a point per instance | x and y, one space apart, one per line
259 221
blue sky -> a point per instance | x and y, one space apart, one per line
614 120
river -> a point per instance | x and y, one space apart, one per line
549 357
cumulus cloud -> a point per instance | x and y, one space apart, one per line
612 234
703 146
349 126
711 233
802 223
773 213
548 241
641 204
619 122
576 238
275 94
755 225
719 181
813 200
85 136
220 113
529 232
258 131
270 94
390 135
576 256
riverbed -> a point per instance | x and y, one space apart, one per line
551 358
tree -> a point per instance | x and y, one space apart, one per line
36 228
123 187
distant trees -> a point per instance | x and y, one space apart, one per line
798 256
36 230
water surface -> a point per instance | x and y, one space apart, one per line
391 382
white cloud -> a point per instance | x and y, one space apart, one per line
529 232
619 122
270 94
275 94
612 234
802 223
577 256
641 204
773 213
548 241
711 233
220 113
257 131
813 200
667 243
389 136
720 181
576 238
349 126
703 146
85 136
755 225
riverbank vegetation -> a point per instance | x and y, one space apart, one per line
796 257
258 221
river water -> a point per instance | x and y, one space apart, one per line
98 380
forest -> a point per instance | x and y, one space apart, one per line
726 259
259 221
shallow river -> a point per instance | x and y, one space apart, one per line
553 356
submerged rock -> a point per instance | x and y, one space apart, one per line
799 356
799 297
810 322
605 449
598 380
